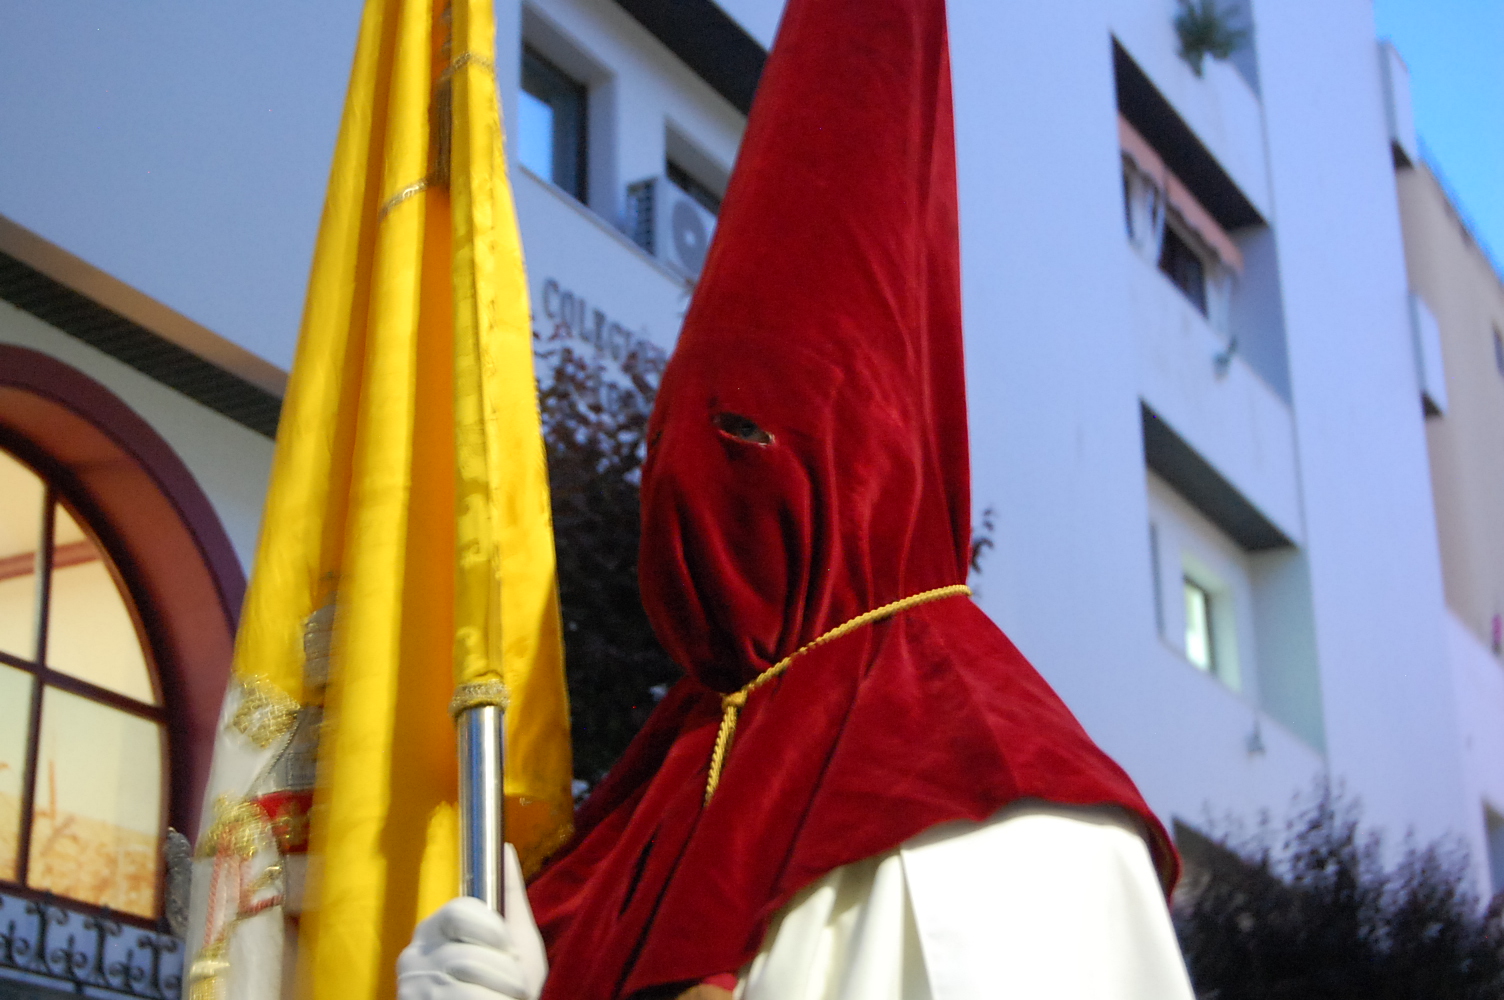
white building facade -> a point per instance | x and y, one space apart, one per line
1195 410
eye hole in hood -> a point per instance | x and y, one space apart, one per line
742 428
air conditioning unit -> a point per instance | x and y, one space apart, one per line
669 224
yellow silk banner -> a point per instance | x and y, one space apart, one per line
409 489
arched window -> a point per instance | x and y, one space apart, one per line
82 724
118 593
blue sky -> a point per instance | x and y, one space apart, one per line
1455 51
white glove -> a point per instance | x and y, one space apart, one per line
467 951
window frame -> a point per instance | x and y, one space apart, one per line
546 75
1180 243
1208 601
43 676
166 539
1189 547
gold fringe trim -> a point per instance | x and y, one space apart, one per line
468 59
732 704
206 976
265 714
403 194
239 828
478 695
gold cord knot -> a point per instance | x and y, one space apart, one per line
733 703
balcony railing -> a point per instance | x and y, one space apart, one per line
45 941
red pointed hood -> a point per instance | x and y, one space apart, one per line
828 315
808 463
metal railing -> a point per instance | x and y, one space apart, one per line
43 940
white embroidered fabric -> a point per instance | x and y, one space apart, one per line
1038 903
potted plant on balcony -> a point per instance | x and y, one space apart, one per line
1205 29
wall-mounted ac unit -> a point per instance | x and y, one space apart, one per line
666 222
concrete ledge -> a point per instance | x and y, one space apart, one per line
103 312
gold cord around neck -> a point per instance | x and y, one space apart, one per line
731 704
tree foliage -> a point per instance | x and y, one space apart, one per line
1314 913
594 400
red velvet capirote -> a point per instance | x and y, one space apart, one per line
828 316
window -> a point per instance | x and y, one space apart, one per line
1215 605
687 183
1159 603
1202 589
82 741
1184 267
551 124
1493 825
1499 350
1143 210
1199 647
1172 230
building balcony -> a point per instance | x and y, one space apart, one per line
1212 398
51 947
1219 107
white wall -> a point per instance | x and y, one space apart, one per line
182 147
1232 417
1390 719
1479 688
185 149
572 251
1050 310
1054 401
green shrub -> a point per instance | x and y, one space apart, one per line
1314 913
594 409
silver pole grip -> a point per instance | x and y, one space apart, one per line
479 730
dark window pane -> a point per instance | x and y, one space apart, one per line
551 123
1499 350
686 182
1183 267
15 721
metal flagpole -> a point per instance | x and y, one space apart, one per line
479 731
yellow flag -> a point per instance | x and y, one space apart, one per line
409 502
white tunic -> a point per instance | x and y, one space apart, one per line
1038 903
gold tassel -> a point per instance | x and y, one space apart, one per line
731 706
